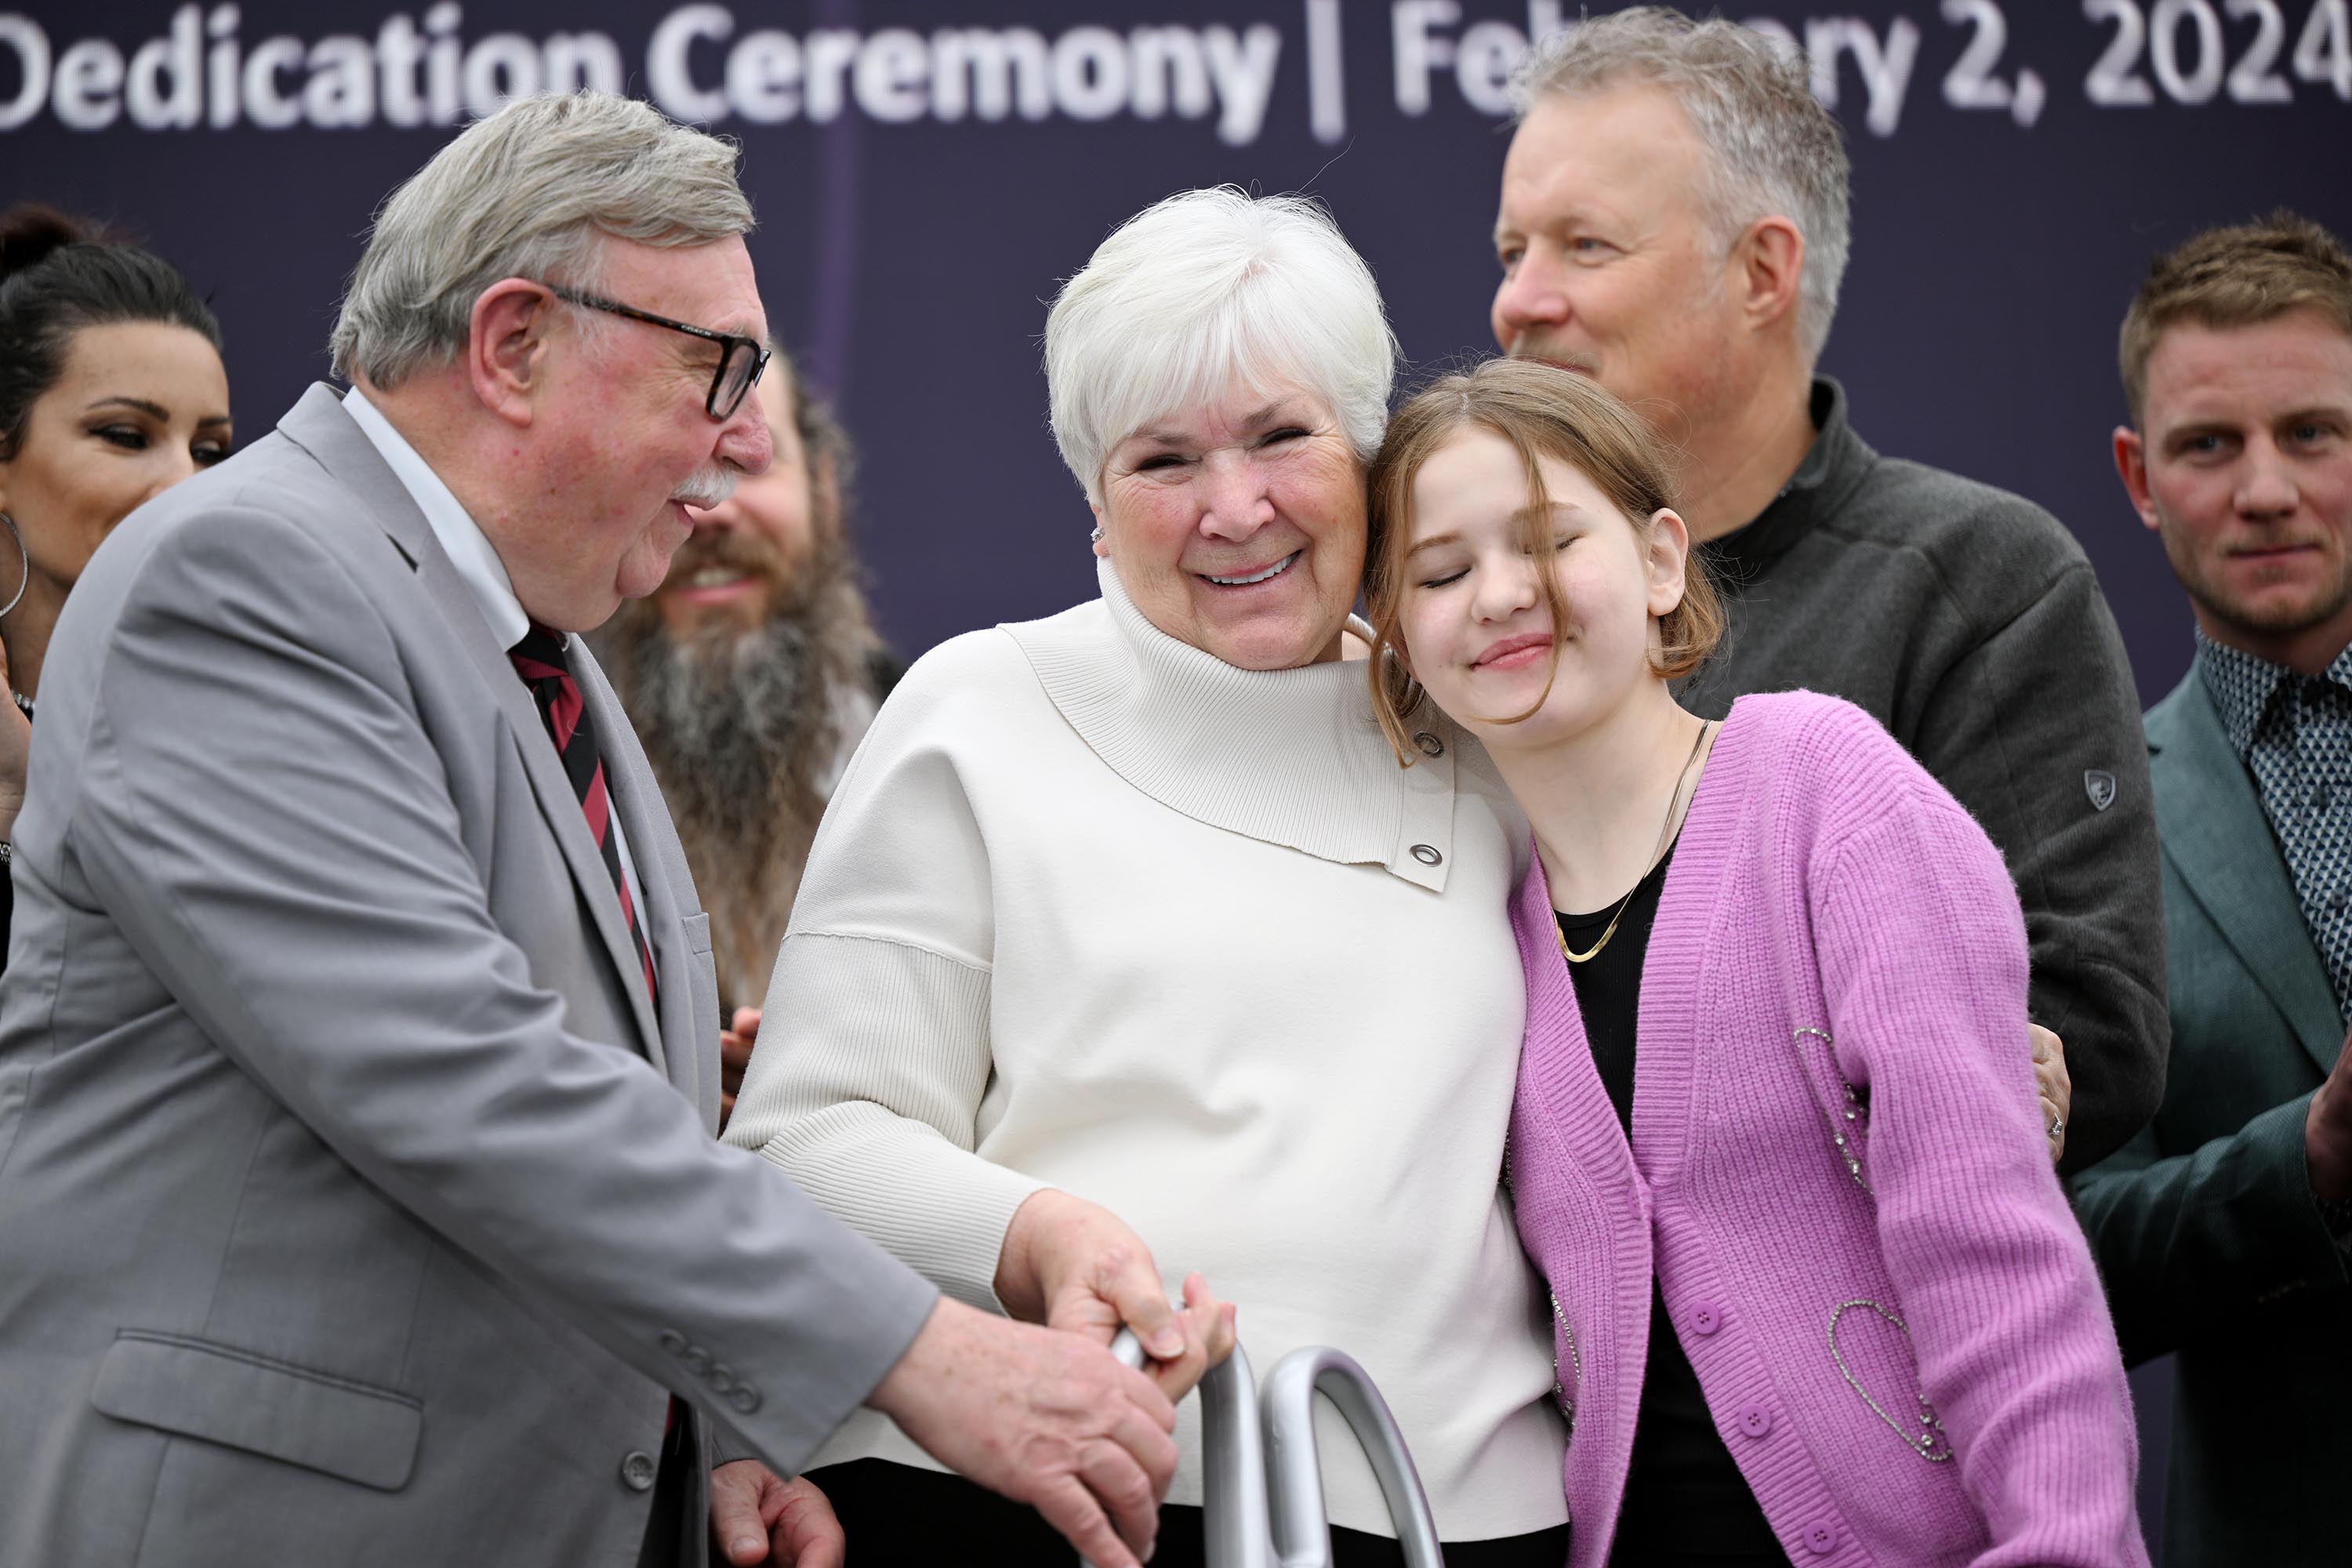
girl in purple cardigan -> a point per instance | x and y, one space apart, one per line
1817 1295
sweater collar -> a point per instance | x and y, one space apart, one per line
1292 757
1831 465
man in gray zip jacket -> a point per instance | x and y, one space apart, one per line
1672 222
359 1197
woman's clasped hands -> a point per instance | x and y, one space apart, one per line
1070 1264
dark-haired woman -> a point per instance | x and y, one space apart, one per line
111 390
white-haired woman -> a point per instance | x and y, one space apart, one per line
1127 946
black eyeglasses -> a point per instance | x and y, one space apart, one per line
741 360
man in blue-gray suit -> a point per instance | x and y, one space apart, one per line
2224 1230
359 1046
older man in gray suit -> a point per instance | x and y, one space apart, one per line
359 1202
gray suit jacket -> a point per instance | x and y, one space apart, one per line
356 1203
2204 1225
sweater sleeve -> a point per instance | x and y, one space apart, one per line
1924 969
2021 729
2204 1243
874 1047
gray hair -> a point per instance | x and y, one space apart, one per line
1773 148
1205 292
529 192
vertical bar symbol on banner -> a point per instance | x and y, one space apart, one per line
1327 84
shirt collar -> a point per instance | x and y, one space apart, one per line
461 538
1819 485
2243 687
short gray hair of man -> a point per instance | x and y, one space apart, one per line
1208 293
529 192
1774 150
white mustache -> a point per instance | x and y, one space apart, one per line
709 486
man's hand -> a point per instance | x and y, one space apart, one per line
2327 1134
1047 1419
735 1045
759 1518
1076 1265
2057 1088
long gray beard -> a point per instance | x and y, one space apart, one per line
743 729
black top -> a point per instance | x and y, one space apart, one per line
1968 622
1684 1494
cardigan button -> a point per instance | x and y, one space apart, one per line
1430 746
1820 1537
1755 1420
1702 1318
1427 855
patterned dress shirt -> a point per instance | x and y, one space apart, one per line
2295 733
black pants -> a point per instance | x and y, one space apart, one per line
898 1514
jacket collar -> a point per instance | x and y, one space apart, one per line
1292 757
2212 829
1832 466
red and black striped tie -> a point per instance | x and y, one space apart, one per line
539 659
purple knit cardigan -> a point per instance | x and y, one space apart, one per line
1837 1172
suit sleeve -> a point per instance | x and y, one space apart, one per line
2201 1244
1923 967
876 1049
2016 730
266 817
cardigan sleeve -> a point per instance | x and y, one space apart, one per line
874 1047
1923 965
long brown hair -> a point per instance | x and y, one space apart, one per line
1543 412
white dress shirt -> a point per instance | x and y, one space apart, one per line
477 563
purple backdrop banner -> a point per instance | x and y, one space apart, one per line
926 173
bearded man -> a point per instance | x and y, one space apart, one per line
750 676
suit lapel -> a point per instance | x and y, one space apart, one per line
319 425
2216 836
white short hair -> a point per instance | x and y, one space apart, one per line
1207 293
1773 149
529 192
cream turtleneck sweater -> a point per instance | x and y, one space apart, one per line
1094 910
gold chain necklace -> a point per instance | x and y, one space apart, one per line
1672 801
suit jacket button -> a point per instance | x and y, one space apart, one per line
698 1360
745 1398
637 1471
673 1342
721 1378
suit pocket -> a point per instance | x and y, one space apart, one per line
233 1397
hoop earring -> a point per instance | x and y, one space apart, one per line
25 565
